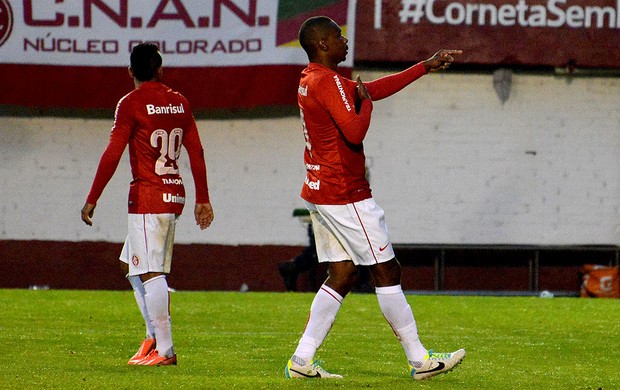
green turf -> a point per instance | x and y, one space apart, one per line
82 339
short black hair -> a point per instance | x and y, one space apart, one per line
313 30
145 61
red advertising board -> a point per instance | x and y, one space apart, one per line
221 54
581 33
239 54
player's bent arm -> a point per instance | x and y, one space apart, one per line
355 128
338 99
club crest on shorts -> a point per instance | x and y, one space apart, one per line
135 260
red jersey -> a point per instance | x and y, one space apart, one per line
335 124
155 121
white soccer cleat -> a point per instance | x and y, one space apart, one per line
436 363
311 370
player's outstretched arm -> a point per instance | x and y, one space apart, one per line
441 60
87 213
203 212
388 85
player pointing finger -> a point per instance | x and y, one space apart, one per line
441 60
349 227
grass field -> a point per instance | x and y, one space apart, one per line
62 339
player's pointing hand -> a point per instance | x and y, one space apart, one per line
441 60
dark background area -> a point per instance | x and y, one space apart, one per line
426 268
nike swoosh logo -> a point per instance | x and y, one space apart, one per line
440 366
382 249
317 375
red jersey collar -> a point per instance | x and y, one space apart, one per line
316 65
151 85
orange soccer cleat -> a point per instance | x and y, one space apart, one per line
155 359
146 347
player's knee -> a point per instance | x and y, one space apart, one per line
342 277
386 274
346 275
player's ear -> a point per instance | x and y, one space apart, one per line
322 44
130 71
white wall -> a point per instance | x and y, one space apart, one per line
449 164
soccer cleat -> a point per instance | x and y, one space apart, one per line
155 359
311 370
436 363
147 346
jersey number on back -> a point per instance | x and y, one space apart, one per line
306 136
169 150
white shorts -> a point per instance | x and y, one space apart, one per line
354 231
149 242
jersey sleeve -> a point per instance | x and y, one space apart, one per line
198 166
389 85
339 101
119 137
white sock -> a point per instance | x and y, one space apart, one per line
398 313
138 292
323 312
157 301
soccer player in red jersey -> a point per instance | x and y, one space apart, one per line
349 226
155 122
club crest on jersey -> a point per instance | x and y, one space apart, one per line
303 91
135 260
152 109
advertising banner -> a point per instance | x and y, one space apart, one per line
221 54
558 33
